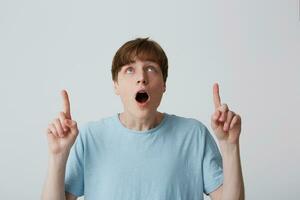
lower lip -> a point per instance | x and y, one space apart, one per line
142 104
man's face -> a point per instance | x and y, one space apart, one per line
140 86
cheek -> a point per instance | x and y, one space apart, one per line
159 86
125 93
158 90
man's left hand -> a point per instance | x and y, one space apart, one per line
225 123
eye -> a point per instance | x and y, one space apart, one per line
129 70
151 68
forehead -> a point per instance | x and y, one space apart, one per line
144 53
142 62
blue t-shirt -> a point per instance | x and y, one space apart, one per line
176 160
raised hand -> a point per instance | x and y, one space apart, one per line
225 123
62 132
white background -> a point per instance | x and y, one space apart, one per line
251 48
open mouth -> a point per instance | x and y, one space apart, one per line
141 97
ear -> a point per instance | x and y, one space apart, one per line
116 88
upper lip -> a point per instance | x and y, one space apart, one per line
142 90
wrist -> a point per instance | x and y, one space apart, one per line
59 157
229 148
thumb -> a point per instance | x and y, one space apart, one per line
72 125
214 120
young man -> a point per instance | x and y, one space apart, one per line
142 153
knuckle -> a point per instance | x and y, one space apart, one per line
62 114
51 126
226 107
223 108
61 121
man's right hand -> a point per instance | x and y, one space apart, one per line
62 132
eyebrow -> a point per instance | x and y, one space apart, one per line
151 62
146 62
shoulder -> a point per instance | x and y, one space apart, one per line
96 126
186 120
187 123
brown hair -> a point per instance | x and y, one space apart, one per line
143 49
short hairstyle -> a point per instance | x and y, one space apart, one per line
143 49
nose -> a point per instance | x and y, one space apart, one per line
142 81
142 78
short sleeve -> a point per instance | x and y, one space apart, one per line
212 164
74 177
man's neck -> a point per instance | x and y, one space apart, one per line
140 124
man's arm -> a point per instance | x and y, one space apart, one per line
233 186
70 196
61 135
54 185
227 128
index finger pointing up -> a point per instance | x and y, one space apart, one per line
216 96
66 104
